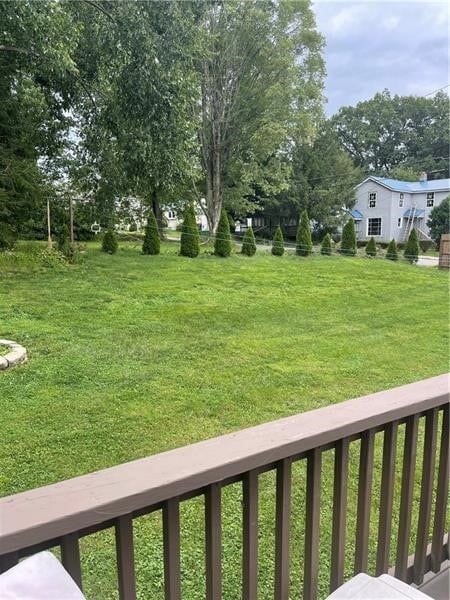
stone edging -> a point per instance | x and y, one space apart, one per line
17 355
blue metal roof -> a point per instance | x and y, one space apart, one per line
356 214
414 187
418 212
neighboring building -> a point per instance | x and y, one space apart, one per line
265 222
174 219
387 209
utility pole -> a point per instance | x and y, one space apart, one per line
71 219
49 231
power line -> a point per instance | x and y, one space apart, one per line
438 90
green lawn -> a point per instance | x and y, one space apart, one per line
131 355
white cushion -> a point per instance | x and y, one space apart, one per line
385 587
40 577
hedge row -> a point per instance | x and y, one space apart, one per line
190 240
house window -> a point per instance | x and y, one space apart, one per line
171 214
400 200
430 199
399 222
374 226
372 199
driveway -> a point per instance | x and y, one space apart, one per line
428 261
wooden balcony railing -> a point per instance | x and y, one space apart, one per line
61 514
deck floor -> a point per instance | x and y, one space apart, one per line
438 586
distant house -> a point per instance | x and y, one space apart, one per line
174 218
388 209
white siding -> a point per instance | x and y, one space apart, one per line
387 208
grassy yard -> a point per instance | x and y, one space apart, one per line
132 355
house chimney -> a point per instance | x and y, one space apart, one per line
423 177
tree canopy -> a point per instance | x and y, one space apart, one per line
130 105
392 131
261 85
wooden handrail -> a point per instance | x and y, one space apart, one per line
49 512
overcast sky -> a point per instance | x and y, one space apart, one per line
372 45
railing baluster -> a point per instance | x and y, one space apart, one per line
339 514
250 537
426 494
364 501
125 557
171 536
282 528
70 557
7 561
406 496
442 495
213 542
312 524
386 497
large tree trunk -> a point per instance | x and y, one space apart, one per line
158 213
211 135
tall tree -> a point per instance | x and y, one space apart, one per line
389 131
38 78
141 58
322 181
261 84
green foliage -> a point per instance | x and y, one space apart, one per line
279 41
426 245
278 242
439 221
232 224
371 248
412 247
8 237
109 241
133 226
326 247
152 241
391 252
348 242
63 240
249 243
303 243
37 78
190 239
311 186
196 318
414 134
222 243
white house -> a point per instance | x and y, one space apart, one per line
174 219
387 209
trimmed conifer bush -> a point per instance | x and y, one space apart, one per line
152 241
190 239
109 242
348 242
326 248
371 248
412 247
278 242
303 241
222 242
391 252
249 243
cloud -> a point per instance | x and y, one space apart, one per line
372 45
